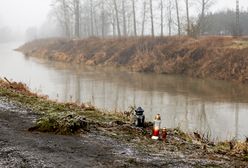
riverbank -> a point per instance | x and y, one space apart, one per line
221 58
179 150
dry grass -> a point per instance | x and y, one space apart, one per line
223 58
70 118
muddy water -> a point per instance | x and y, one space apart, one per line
218 109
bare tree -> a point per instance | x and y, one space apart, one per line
91 19
95 18
134 18
77 18
205 4
103 19
187 15
162 17
143 18
152 22
117 18
62 13
169 9
124 18
84 18
178 18
238 33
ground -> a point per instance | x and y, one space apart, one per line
20 148
95 139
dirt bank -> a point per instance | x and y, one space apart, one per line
20 148
222 58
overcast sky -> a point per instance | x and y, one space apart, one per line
23 13
20 14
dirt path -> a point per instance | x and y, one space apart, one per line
20 148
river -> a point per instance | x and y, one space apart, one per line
217 109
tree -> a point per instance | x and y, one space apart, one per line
162 17
237 19
63 14
187 15
124 18
134 18
178 18
103 18
143 18
77 18
117 17
205 5
91 19
169 9
152 22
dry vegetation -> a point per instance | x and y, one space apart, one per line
223 58
70 118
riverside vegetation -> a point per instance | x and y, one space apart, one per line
73 119
221 58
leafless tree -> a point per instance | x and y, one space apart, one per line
84 18
91 18
151 14
187 15
162 17
134 18
117 18
178 18
238 32
62 12
205 5
103 18
77 17
144 17
169 9
124 18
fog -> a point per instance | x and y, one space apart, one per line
21 17
16 16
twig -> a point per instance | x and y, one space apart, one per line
7 80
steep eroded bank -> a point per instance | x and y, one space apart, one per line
222 58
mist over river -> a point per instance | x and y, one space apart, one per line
216 108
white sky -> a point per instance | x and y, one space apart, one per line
20 14
231 4
23 13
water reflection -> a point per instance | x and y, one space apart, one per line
216 108
210 107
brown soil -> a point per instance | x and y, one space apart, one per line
222 58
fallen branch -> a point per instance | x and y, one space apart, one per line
7 80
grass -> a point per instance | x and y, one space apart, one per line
239 44
222 58
61 118
70 118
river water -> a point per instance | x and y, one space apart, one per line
216 108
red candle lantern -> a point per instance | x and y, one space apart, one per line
156 127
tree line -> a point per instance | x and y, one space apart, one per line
122 18
224 23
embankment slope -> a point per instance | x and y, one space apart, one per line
222 58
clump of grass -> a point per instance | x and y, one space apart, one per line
246 158
62 123
60 118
